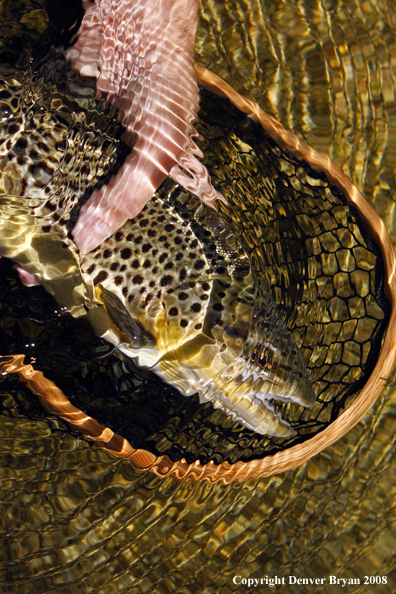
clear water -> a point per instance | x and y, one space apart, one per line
75 520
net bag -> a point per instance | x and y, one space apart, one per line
310 237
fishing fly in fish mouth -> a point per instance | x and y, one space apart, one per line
159 276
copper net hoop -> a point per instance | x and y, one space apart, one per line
55 402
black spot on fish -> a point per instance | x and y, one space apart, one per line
173 311
114 266
182 274
99 278
195 307
183 323
107 253
169 266
199 264
149 298
166 280
262 361
198 326
20 146
46 167
118 280
183 296
125 254
50 206
137 280
143 223
91 268
146 248
218 306
119 236
146 264
162 258
43 147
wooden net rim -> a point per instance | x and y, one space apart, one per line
55 402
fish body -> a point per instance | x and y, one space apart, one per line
173 289
182 301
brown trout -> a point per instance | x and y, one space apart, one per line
173 289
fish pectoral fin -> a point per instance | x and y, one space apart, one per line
131 329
